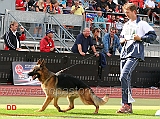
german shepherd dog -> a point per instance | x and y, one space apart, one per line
64 85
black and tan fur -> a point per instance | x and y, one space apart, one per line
64 85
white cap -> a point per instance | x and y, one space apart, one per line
157 113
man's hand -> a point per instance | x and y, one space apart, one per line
136 37
82 53
96 54
109 54
22 29
18 49
122 40
51 49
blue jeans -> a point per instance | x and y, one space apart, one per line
126 67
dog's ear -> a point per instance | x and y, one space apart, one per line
39 61
43 63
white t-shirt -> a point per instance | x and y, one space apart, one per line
131 27
150 3
16 38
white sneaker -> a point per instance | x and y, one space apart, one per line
157 113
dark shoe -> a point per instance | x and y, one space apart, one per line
125 109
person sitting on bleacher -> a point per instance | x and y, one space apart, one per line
77 9
47 43
98 21
149 7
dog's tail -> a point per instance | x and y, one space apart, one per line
99 101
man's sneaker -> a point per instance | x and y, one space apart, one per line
125 109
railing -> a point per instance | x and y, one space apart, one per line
1 25
31 18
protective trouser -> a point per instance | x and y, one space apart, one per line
126 67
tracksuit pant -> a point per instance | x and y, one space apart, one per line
126 67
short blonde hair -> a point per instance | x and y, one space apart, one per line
130 6
13 23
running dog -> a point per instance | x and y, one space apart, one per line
64 85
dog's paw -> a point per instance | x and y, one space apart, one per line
62 110
95 113
40 110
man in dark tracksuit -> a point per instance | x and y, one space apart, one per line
134 33
12 37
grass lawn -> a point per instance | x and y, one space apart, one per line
26 106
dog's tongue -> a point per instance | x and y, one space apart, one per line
33 77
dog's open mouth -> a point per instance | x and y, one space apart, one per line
34 75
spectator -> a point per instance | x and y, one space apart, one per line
40 7
47 43
49 6
56 8
117 10
149 8
107 9
20 5
12 37
82 43
112 20
111 43
68 8
97 41
31 5
99 22
119 25
111 5
125 19
77 9
85 4
101 4
134 33
62 3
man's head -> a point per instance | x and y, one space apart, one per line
49 33
76 2
112 31
130 10
86 32
99 13
14 26
113 17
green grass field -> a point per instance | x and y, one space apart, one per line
26 106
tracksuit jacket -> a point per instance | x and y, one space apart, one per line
11 40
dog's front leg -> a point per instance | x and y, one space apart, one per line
56 104
46 103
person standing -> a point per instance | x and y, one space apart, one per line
12 37
111 43
82 43
133 34
47 43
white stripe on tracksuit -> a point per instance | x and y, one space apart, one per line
8 41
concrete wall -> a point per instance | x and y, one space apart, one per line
6 4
